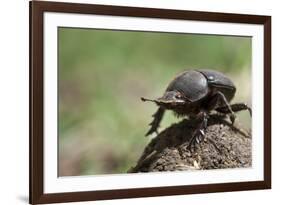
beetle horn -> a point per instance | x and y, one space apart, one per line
145 99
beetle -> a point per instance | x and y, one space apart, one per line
195 93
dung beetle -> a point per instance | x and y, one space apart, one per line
195 93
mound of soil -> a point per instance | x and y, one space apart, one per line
224 146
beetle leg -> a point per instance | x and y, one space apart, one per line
224 103
235 108
199 133
158 115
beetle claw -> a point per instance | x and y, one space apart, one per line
197 140
232 118
199 133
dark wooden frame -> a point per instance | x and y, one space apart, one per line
37 9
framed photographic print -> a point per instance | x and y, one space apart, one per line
137 102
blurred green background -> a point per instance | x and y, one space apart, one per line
103 74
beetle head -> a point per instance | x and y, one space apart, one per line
169 100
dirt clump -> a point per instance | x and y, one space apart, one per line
224 146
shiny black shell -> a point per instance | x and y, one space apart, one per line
221 82
197 84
